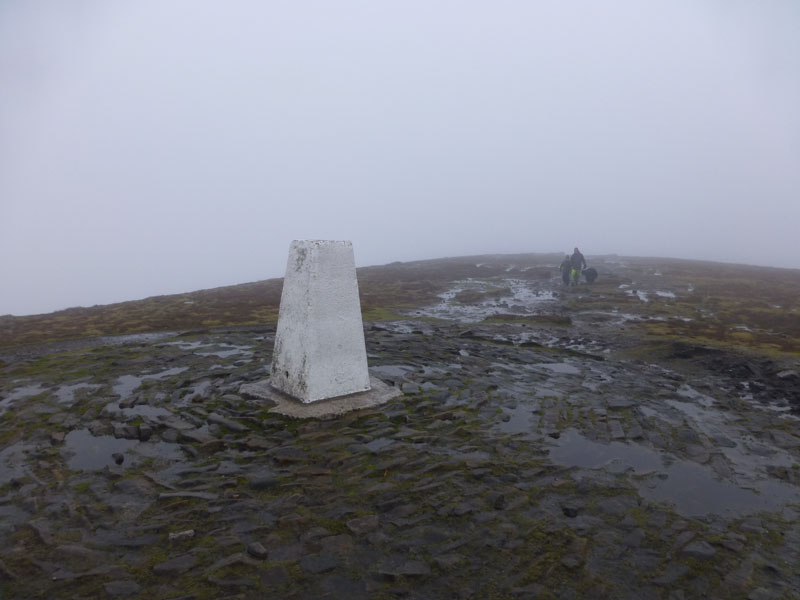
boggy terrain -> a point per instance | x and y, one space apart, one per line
636 438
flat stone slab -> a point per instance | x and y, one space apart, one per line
380 393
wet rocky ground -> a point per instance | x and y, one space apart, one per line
535 452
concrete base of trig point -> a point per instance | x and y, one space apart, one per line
379 393
319 343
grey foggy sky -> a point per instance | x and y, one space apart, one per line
161 147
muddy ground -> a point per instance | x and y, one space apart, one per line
546 445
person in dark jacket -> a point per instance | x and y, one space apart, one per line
565 267
578 263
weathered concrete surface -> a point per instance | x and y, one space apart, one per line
378 394
319 348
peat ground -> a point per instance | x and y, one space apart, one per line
636 438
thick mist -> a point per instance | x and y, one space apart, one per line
160 147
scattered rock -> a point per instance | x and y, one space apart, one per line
128 432
615 430
41 528
261 479
240 558
410 388
257 442
196 436
228 423
181 535
700 550
570 510
635 538
497 500
175 566
361 526
337 544
314 564
145 432
257 550
753 525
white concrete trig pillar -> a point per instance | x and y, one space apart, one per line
319 348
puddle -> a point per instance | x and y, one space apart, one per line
66 393
615 317
572 449
84 452
127 384
693 489
132 338
520 420
230 350
20 394
221 350
643 296
187 345
521 299
12 461
748 457
153 413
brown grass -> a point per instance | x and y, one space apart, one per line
739 305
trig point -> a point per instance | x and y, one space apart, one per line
319 343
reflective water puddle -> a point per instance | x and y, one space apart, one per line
517 420
12 461
66 393
83 451
127 384
521 299
20 394
153 413
227 350
693 489
221 350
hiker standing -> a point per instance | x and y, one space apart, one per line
565 269
578 263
